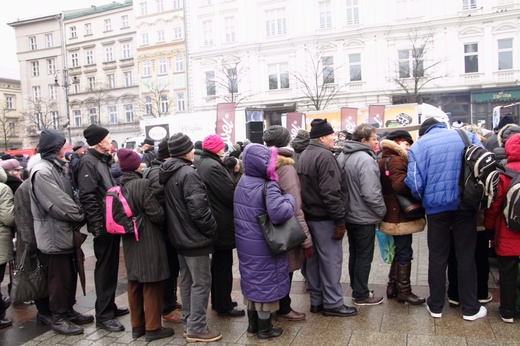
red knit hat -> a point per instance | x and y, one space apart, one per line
129 160
213 143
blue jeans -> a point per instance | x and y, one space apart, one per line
403 249
361 240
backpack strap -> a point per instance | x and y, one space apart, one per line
124 202
511 173
464 137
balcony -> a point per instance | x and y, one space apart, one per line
472 78
356 86
506 76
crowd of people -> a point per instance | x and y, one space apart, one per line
195 202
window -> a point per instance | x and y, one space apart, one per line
49 42
177 33
88 29
51 66
35 68
111 81
328 69
278 76
74 59
77 86
469 4
144 38
325 14
160 36
179 63
92 114
73 33
177 4
160 5
207 32
276 22
77 117
126 51
53 92
146 68
404 63
232 80
11 128
112 114
471 58
411 63
9 102
352 12
91 82
148 105
37 93
162 66
108 24
124 22
354 61
128 79
54 119
129 113
229 29
505 54
144 8
32 43
210 83
181 106
89 54
109 53
164 104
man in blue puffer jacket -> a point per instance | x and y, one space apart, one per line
434 164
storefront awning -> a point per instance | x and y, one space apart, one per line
499 96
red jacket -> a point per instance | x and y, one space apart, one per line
507 243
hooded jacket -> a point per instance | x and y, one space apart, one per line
191 227
6 219
263 277
365 202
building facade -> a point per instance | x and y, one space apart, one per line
11 128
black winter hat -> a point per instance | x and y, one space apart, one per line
400 135
163 151
427 124
276 136
320 128
94 134
179 144
148 141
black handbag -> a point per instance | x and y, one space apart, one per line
411 207
29 284
283 237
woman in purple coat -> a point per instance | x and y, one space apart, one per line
264 278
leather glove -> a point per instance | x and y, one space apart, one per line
339 232
308 252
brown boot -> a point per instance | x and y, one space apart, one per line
404 289
391 288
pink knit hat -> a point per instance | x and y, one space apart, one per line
213 143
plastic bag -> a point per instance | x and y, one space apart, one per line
386 246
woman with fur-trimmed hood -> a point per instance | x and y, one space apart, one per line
393 166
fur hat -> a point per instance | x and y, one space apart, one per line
163 151
400 135
213 143
320 128
426 125
94 134
129 160
276 136
179 144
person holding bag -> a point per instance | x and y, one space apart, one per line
264 277
393 167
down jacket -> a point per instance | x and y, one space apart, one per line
6 219
507 242
264 277
434 164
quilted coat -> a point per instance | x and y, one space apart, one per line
264 277
6 219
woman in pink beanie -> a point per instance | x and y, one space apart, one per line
213 143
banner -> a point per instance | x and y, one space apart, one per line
376 114
349 119
294 123
226 122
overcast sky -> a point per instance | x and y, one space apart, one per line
23 9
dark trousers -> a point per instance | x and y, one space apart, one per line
62 282
403 249
462 224
145 302
106 249
170 284
2 273
285 302
482 263
361 253
222 280
508 271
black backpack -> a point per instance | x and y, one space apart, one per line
479 176
512 201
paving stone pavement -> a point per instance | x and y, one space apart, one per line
390 323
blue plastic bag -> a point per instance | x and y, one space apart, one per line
386 246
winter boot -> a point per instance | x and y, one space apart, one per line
391 288
266 330
61 325
404 289
252 328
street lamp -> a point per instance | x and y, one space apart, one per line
65 85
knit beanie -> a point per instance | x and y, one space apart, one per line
400 135
276 136
426 125
213 143
179 144
148 141
163 151
129 160
94 134
320 128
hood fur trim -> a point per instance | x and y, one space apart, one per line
270 172
386 143
402 228
283 161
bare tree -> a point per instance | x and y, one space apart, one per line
7 131
41 115
317 78
155 101
229 79
98 96
415 68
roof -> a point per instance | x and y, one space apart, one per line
95 9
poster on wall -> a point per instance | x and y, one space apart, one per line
349 119
294 123
226 122
376 114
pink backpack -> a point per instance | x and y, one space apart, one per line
119 217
